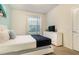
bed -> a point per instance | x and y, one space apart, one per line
27 45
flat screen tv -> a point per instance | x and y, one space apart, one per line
51 28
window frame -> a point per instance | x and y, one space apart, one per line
29 27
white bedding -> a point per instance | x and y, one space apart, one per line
19 43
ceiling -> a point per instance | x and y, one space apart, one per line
38 8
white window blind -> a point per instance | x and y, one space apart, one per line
34 24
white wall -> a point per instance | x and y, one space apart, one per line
50 20
19 21
61 16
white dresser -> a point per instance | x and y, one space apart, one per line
55 36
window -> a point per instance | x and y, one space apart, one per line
34 24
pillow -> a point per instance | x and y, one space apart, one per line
4 36
12 34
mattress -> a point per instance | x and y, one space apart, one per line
19 43
23 42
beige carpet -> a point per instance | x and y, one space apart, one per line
64 51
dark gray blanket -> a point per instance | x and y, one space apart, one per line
41 40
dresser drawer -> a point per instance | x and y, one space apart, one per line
55 37
50 35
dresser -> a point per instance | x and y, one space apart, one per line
56 37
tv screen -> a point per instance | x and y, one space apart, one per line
51 28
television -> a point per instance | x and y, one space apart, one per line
51 28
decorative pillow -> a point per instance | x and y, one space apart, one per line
12 34
4 36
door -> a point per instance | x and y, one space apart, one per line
75 31
76 41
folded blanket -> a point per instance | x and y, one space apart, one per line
41 40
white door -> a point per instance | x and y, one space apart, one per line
75 32
76 41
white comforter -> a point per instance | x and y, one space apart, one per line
19 43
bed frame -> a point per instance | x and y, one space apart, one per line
41 51
35 51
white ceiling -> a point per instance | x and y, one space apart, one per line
38 8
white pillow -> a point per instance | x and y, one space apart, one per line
4 36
